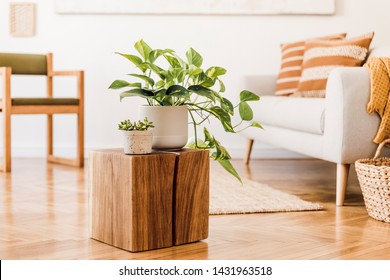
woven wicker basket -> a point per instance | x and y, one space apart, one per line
374 179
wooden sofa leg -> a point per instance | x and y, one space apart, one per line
248 151
341 183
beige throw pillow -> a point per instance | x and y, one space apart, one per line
291 66
322 56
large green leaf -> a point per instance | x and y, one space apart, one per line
246 112
147 79
178 91
204 80
136 92
227 105
160 84
227 165
246 95
202 91
121 84
215 71
143 49
194 57
194 70
173 61
224 118
154 54
133 58
156 69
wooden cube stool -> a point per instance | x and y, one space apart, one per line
144 202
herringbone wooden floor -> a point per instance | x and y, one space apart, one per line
43 215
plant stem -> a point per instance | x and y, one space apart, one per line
195 131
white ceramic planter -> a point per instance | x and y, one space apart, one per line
170 125
137 142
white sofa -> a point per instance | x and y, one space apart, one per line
336 128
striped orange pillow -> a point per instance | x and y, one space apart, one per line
322 56
290 70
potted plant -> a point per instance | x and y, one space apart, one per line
137 137
170 83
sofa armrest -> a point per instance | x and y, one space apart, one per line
260 84
349 130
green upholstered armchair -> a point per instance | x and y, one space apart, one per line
35 64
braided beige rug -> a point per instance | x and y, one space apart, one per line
228 196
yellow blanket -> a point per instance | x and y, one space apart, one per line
379 69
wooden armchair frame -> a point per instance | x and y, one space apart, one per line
49 106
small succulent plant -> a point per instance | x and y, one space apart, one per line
127 125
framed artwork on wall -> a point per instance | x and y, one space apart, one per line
222 7
22 19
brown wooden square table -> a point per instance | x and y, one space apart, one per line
144 202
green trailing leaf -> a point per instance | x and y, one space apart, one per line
156 69
223 117
143 49
227 165
194 70
246 95
202 91
117 84
257 125
215 71
221 86
173 61
221 152
154 54
178 91
204 80
148 80
176 73
136 92
133 58
246 112
208 138
160 84
227 106
194 57
198 144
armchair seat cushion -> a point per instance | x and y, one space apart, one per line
300 114
44 101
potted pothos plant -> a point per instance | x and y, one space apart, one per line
137 136
169 82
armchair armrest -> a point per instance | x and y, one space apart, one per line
80 80
260 84
349 129
66 73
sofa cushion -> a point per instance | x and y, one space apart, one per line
290 69
322 56
301 114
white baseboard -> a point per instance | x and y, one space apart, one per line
236 152
265 152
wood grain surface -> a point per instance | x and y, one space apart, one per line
191 197
131 199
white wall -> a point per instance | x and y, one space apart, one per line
245 45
